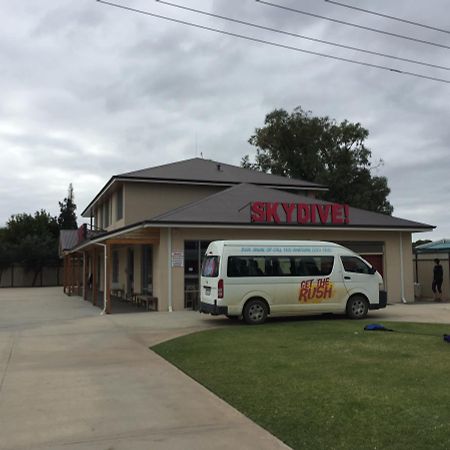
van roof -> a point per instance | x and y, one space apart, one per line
272 242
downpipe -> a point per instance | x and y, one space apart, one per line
402 275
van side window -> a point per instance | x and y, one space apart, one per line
354 264
244 266
305 266
279 266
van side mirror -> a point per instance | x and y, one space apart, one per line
372 270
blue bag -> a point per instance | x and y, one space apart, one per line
376 327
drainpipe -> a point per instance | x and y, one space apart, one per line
169 268
402 275
105 278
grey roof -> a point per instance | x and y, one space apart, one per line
232 207
208 171
68 239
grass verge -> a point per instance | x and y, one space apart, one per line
327 384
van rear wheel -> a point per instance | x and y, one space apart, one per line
357 307
255 312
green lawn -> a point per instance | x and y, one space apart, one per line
327 384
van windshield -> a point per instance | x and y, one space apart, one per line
210 267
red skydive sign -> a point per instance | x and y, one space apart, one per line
299 213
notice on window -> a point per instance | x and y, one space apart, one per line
177 259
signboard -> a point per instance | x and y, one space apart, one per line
299 213
177 259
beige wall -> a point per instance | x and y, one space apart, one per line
143 200
392 276
425 266
392 264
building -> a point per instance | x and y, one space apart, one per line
149 229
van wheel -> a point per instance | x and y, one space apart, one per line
357 307
255 312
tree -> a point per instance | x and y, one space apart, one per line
31 241
67 219
318 149
421 242
6 253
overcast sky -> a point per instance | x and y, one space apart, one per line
89 91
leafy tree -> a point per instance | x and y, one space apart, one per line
318 149
6 253
31 241
421 242
67 219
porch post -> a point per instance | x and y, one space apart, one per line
108 278
94 278
65 274
85 274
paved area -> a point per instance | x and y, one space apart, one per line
72 379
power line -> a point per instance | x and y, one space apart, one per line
288 33
375 30
399 19
274 44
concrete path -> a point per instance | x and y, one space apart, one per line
72 379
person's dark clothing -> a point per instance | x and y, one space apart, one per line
438 277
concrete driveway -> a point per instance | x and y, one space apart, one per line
72 379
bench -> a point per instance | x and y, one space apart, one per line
150 302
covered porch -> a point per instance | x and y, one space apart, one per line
102 271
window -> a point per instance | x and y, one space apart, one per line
279 266
354 264
106 214
210 266
147 270
119 204
115 266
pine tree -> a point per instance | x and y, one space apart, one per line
67 219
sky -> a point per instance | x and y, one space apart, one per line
89 90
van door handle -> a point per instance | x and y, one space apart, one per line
347 278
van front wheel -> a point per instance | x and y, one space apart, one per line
255 312
357 307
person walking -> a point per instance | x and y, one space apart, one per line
438 277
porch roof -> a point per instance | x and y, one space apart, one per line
441 246
231 208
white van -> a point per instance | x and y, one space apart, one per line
255 279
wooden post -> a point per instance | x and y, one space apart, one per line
85 274
64 273
73 274
94 278
108 278
79 273
69 275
